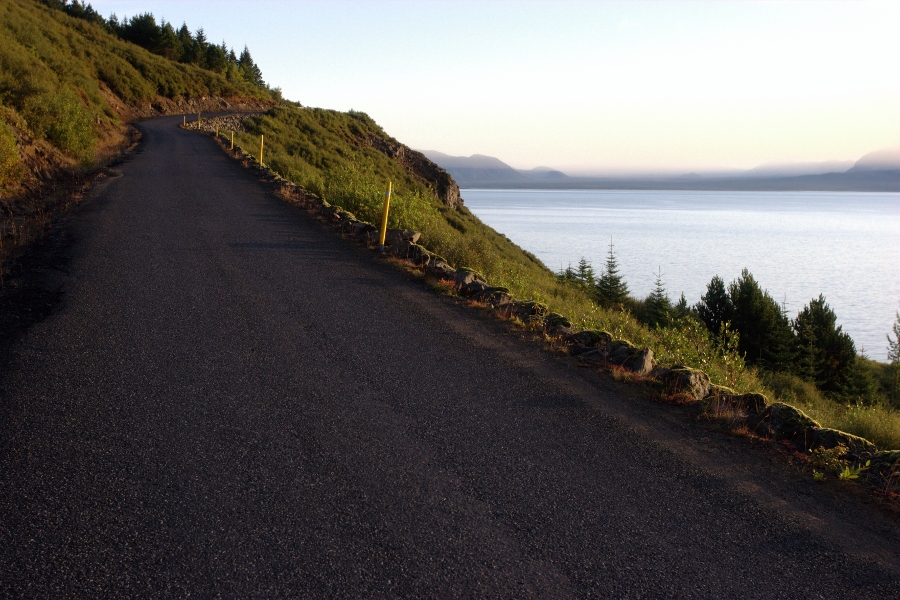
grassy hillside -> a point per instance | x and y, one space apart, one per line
62 80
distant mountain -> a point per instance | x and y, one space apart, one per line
800 168
880 160
875 172
475 170
478 169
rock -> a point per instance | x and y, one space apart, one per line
685 380
465 276
885 461
392 236
359 227
786 422
473 288
621 353
589 338
750 404
556 324
830 438
527 310
495 296
343 215
437 268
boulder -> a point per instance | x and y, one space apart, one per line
556 324
684 380
473 288
621 353
465 276
392 236
830 438
495 296
786 422
527 311
589 338
884 461
437 268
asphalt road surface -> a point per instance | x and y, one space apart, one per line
228 400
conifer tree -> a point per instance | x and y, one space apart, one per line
715 308
658 307
765 335
894 344
611 287
826 354
585 273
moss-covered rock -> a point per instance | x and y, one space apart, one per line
831 438
556 324
693 383
589 338
786 422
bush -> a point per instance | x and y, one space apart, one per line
11 168
63 119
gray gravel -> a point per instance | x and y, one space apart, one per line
232 402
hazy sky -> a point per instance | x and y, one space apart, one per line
583 85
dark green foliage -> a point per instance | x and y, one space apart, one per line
657 308
825 354
765 332
585 273
894 344
611 289
714 308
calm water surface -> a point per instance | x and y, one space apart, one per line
845 245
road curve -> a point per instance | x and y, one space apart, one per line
232 402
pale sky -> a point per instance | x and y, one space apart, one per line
583 86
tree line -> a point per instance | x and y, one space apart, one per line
741 314
175 44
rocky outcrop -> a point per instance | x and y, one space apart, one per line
622 353
418 164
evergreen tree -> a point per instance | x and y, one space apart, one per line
611 287
826 355
169 45
894 344
765 335
143 31
714 308
658 307
249 69
585 273
682 310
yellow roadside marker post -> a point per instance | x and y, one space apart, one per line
198 121
185 120
232 139
384 217
261 163
217 131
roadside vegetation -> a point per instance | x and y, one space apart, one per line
737 333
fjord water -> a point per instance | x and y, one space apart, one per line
845 245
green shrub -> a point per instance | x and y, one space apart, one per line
64 120
11 168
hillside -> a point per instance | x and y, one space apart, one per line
68 85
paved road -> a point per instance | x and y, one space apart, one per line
232 402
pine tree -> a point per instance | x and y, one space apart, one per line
249 69
714 308
826 354
658 307
765 335
611 287
585 273
894 344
